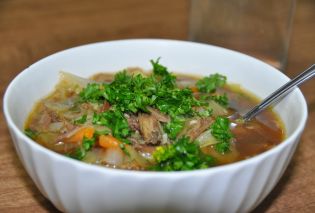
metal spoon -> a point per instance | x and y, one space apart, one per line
279 93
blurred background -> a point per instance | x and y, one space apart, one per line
33 29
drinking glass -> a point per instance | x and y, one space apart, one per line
260 28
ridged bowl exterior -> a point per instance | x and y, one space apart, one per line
73 186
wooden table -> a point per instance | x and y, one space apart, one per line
32 29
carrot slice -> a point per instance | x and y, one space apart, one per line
85 132
108 141
194 89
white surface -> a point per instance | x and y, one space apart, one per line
73 186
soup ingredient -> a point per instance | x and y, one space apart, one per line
182 155
77 137
209 84
115 120
108 141
30 133
220 129
80 152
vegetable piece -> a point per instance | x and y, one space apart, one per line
93 92
56 126
173 127
84 132
221 99
88 143
99 132
176 101
108 141
181 155
211 83
203 111
195 126
81 120
70 79
220 129
159 69
80 153
134 155
30 133
206 139
217 109
194 89
115 120
114 156
130 93
59 106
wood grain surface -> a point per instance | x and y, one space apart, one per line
32 29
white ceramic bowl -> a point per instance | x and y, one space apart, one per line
73 186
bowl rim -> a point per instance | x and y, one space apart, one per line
96 168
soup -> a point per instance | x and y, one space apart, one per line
151 121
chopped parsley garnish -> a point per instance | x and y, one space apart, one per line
123 148
176 101
92 93
81 120
30 133
167 79
115 120
221 99
182 155
87 143
211 83
220 130
173 127
97 133
159 69
80 152
204 112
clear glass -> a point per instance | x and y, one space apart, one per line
260 28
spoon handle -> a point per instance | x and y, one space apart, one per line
282 91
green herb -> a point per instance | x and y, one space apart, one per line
211 83
159 69
181 155
204 111
176 101
173 127
115 120
97 133
221 99
125 141
87 144
93 92
80 152
130 93
220 130
167 79
81 120
30 133
123 148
